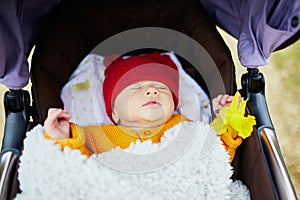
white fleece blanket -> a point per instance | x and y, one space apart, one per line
189 163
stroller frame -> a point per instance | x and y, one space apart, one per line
252 87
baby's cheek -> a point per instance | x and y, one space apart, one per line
169 109
134 100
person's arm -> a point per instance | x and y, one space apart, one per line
57 127
230 141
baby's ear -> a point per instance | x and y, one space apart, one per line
115 117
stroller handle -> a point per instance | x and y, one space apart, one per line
8 168
253 88
17 106
277 166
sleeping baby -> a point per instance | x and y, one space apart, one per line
140 94
148 152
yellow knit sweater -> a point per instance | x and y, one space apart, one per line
98 139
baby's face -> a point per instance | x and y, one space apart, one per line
143 104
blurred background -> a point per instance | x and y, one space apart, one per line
282 76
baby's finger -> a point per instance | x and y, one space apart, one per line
217 100
63 114
57 113
52 111
52 118
229 99
224 99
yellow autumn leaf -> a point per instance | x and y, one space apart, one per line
233 117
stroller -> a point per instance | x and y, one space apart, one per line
68 33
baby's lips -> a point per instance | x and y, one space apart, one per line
152 102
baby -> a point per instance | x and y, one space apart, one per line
140 94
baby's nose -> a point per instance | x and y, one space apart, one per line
151 91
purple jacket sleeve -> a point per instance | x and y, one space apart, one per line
18 24
259 25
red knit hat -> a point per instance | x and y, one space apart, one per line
150 67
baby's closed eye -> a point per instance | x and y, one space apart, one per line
136 88
161 88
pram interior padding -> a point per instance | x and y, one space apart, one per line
71 34
77 27
250 167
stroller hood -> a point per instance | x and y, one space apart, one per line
260 27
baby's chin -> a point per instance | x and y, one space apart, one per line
153 119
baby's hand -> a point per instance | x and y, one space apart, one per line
222 101
57 123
